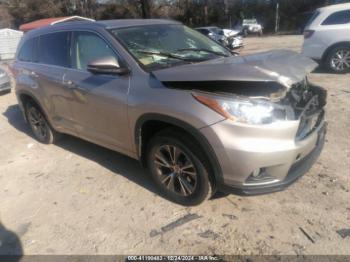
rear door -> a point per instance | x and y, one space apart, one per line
24 68
50 69
99 102
335 28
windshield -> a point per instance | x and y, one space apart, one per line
249 21
217 30
160 46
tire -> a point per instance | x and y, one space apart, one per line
335 55
186 181
245 32
39 125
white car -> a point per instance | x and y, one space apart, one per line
230 32
327 37
251 26
234 39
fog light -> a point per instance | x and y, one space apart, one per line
256 173
259 176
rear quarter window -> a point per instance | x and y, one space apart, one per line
26 51
312 18
338 18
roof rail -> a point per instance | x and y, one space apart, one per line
52 21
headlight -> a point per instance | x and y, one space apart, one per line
249 111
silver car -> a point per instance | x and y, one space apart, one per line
215 33
198 117
5 82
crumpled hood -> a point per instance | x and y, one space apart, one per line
282 66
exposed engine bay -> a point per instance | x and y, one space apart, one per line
255 89
302 100
266 90
308 102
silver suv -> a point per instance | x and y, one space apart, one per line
327 37
198 117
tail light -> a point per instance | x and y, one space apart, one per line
308 33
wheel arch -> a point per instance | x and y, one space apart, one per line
24 97
330 48
163 121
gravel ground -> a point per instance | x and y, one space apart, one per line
78 198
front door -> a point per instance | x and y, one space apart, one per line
99 104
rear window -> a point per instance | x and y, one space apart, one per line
54 49
26 52
338 18
312 18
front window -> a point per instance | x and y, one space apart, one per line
88 47
161 46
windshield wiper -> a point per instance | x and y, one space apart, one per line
203 50
170 55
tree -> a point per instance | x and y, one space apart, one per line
224 13
146 8
6 20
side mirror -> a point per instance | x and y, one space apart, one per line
107 65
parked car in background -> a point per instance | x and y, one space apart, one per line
240 29
200 118
226 38
327 37
234 38
214 33
5 82
231 32
251 26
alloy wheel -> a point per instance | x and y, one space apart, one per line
38 123
340 60
175 170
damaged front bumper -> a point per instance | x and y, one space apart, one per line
267 158
296 170
277 162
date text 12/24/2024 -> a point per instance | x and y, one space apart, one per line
172 258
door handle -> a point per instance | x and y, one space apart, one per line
70 84
33 74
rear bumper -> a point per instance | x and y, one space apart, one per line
296 171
